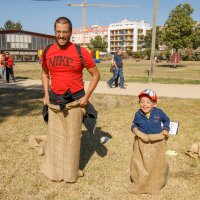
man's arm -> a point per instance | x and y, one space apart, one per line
93 83
115 64
45 83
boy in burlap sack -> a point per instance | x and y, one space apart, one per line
148 168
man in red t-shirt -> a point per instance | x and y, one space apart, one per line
62 79
9 67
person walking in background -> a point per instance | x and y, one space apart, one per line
118 69
148 168
9 67
2 65
66 100
112 69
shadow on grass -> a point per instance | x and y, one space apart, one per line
91 143
22 77
171 66
19 102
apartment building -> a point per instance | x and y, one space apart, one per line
127 35
83 36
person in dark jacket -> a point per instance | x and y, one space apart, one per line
117 70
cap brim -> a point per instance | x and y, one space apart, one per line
146 95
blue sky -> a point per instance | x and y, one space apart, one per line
39 16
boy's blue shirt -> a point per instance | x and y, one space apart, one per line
151 125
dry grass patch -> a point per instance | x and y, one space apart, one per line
106 166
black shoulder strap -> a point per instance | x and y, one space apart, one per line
45 51
80 54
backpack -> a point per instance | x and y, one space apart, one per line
78 48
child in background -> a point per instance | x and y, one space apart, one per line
150 126
9 68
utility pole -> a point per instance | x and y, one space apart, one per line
153 44
84 7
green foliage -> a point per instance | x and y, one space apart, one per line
129 52
163 55
148 53
98 43
196 37
139 54
178 29
148 38
10 25
190 55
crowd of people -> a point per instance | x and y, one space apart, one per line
6 67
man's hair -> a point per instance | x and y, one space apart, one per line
63 20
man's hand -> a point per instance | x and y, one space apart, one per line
46 100
83 101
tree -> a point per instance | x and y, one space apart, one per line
10 25
98 43
148 38
178 28
196 37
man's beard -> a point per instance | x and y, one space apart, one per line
62 46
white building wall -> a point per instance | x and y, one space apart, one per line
105 31
91 33
128 25
135 38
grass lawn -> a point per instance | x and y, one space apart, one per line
106 166
186 72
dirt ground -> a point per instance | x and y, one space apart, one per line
106 166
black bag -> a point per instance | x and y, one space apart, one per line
45 113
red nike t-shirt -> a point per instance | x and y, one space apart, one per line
65 68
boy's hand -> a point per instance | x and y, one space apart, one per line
165 133
134 129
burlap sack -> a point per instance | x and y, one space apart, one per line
194 150
148 167
38 142
62 152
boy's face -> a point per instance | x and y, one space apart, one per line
146 104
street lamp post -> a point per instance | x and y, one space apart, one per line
153 40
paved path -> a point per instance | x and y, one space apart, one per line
164 90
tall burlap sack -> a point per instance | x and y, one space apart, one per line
62 154
148 167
